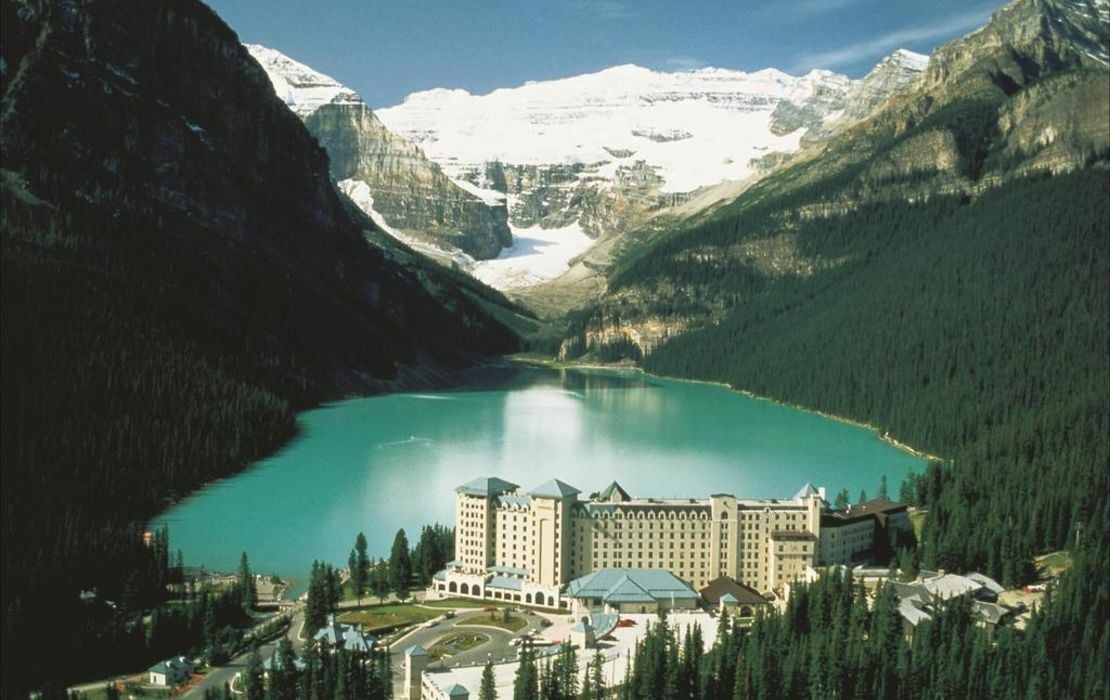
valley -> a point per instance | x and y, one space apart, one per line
241 303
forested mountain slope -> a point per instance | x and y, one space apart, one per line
939 270
179 276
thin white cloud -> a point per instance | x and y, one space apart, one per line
882 45
604 9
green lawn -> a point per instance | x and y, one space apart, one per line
515 622
1054 563
452 644
450 603
379 617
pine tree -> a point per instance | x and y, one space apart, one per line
882 488
400 565
284 674
360 572
253 684
526 682
862 496
247 588
841 500
379 581
488 689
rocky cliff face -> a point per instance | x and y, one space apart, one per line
606 153
608 149
1025 94
404 190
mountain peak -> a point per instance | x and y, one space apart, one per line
305 90
908 59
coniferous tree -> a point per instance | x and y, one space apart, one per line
526 684
253 680
841 500
488 688
360 572
247 587
882 488
400 565
379 581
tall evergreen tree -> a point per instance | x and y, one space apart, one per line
526 684
360 572
488 688
253 680
400 565
247 587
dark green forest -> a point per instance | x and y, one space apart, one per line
830 644
972 330
179 278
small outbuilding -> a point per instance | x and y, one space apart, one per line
725 593
171 671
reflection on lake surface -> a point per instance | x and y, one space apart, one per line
378 464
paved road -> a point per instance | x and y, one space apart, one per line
226 673
497 648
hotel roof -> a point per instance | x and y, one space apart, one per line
486 486
554 489
630 586
723 586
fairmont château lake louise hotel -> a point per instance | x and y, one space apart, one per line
526 546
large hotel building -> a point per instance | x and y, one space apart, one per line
525 546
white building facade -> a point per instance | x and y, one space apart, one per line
525 546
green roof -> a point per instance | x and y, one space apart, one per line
554 489
613 489
487 486
415 650
456 691
630 586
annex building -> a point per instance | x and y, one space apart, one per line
526 546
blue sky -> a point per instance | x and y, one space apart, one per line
386 50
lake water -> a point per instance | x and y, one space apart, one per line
378 464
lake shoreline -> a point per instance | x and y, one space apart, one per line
880 434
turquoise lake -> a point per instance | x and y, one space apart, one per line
378 464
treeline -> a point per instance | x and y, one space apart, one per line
322 672
973 330
830 643
406 568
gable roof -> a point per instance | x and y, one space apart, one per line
415 650
486 486
613 492
456 691
721 586
554 489
630 586
171 665
806 491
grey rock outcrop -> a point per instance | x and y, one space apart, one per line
408 193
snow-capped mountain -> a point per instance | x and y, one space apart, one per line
302 88
693 128
389 178
603 152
